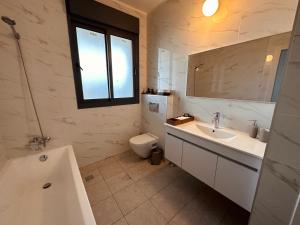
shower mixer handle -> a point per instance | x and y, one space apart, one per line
37 142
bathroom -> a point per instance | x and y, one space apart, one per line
73 156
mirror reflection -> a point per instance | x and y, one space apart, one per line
250 70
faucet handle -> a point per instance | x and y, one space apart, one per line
45 140
38 141
217 114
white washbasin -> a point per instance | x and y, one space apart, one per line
216 133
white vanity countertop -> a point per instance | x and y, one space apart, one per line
242 141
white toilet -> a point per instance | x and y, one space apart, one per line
143 144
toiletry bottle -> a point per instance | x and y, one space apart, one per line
253 129
263 135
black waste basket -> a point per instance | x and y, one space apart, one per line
156 156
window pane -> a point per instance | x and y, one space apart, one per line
92 58
122 67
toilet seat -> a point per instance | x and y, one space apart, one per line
143 144
143 139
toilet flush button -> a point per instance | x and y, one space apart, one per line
153 107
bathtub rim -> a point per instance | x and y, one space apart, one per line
85 207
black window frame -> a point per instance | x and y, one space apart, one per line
107 30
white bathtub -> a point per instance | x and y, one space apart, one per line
23 201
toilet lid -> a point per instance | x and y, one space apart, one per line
143 138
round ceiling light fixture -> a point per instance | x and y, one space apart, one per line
210 7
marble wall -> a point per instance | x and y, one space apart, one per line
95 133
278 194
153 122
177 28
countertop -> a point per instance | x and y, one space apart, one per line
242 142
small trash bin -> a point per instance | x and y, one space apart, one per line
156 156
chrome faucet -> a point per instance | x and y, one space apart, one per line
38 142
216 120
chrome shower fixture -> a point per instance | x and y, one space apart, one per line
11 23
37 141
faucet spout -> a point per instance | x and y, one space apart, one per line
216 120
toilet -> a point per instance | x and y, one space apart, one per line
143 144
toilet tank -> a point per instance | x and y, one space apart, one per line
155 111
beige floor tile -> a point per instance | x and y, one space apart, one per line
91 177
143 169
121 221
107 161
111 169
89 168
97 192
118 182
106 212
157 180
129 198
145 214
129 159
124 154
208 209
173 198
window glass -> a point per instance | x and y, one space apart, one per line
92 62
122 67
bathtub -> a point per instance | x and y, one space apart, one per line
51 192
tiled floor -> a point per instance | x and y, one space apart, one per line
125 190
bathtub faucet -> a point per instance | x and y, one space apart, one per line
37 142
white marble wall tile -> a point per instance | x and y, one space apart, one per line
95 133
273 206
180 28
279 186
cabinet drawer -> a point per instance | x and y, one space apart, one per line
173 149
236 182
199 162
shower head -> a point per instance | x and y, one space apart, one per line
8 20
11 23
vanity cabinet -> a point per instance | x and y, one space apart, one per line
236 182
199 163
174 152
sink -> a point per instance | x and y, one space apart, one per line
216 133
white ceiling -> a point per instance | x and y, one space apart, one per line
143 5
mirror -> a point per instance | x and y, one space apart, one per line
251 70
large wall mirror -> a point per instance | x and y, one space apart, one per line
250 70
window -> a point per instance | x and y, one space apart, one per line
105 63
92 63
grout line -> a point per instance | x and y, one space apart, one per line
118 205
135 207
126 220
115 200
185 204
150 198
125 170
167 222
120 220
146 197
99 201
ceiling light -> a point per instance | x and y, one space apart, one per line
269 58
210 7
